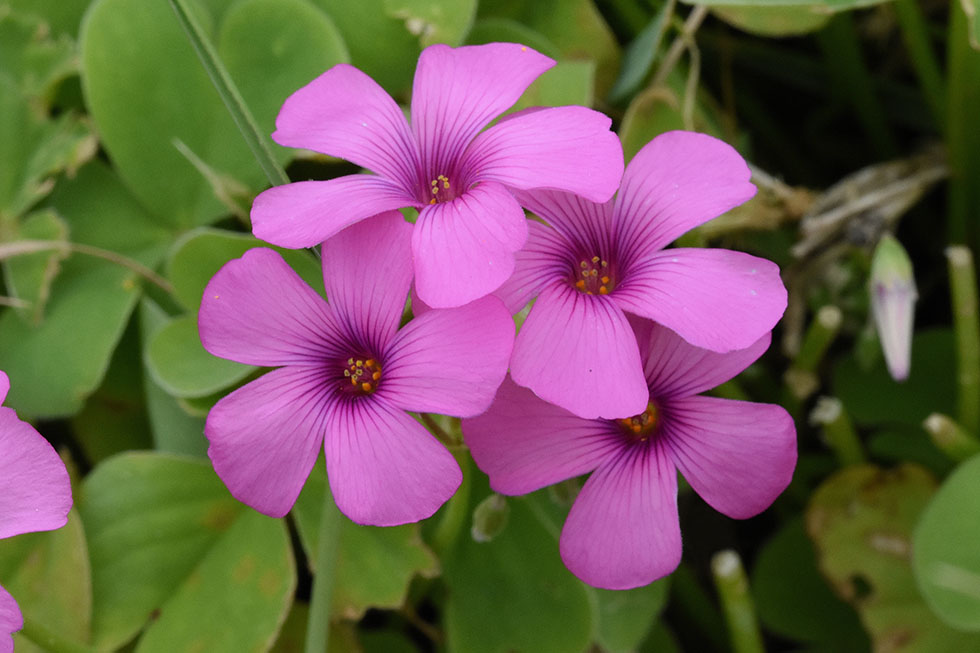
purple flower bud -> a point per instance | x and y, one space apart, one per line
893 296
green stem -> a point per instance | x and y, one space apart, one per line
736 602
915 32
457 510
838 430
950 437
229 94
699 618
318 626
962 136
849 74
801 377
48 640
966 326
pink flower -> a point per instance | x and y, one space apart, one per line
347 376
623 530
35 495
469 225
597 262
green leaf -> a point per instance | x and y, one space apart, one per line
818 5
518 578
33 565
182 367
34 150
930 387
946 558
32 58
792 598
568 82
434 21
60 362
144 93
29 276
63 16
374 565
861 521
114 418
641 54
298 42
365 24
626 617
764 20
176 546
199 254
173 429
575 26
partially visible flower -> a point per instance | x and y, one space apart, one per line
594 263
347 375
35 495
623 529
469 225
893 296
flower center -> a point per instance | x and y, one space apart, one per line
642 427
361 376
441 190
593 277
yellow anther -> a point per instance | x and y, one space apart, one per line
367 387
580 284
346 372
595 259
604 264
432 201
604 280
353 381
369 362
636 428
350 361
583 265
603 290
360 363
376 376
594 273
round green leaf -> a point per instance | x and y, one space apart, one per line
200 254
774 21
181 365
274 47
176 546
434 21
627 617
33 565
946 557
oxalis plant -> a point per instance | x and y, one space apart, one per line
489 326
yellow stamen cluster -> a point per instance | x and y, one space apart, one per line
594 277
441 180
640 427
363 374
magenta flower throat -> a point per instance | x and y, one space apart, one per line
460 179
346 377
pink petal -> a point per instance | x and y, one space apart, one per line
542 259
586 226
384 467
265 436
678 181
738 455
623 530
257 310
717 299
10 621
35 493
449 361
562 148
464 249
344 113
458 91
4 386
578 351
524 444
306 213
675 368
367 270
